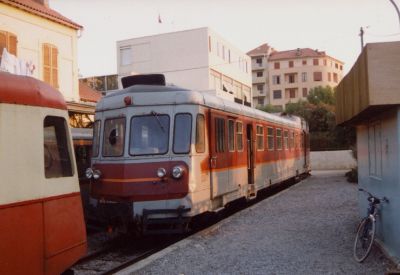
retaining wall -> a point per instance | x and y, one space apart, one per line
332 160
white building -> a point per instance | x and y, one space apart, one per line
197 59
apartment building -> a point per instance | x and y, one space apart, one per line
197 59
40 42
281 77
260 75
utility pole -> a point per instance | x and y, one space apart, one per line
397 9
362 37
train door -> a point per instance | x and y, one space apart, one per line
305 148
250 160
219 158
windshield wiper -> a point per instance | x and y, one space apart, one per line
158 120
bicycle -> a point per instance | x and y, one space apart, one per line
366 229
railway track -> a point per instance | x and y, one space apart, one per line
114 253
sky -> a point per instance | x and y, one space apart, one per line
326 25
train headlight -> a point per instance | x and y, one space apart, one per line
89 173
96 174
177 172
161 172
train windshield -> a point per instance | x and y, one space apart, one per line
149 134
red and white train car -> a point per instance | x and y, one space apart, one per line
42 228
168 154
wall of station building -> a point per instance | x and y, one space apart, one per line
32 32
196 59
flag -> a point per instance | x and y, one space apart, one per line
159 19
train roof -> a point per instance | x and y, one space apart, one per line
25 90
150 95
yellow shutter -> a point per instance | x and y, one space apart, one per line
3 41
46 64
12 44
54 65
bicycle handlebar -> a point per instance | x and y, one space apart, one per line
384 199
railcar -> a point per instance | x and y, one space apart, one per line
42 227
163 154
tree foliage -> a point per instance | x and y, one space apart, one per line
319 112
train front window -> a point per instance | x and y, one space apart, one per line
149 134
182 133
57 151
96 138
114 136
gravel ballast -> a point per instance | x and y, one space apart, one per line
307 229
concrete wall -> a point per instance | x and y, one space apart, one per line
332 160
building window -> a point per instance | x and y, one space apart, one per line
259 61
270 136
335 77
317 76
336 65
50 65
125 56
325 62
277 94
57 151
304 62
291 78
223 52
9 42
231 135
277 65
276 79
259 74
229 56
305 92
279 139
291 64
315 62
260 101
292 93
304 77
239 136
375 150
341 67
220 135
260 137
329 77
260 88
209 43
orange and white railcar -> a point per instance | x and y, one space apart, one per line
169 154
42 228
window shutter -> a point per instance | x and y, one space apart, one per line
54 65
3 41
12 44
46 64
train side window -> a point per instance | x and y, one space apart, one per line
301 141
113 138
286 139
270 135
291 139
279 139
182 133
231 135
239 136
57 149
96 138
220 135
260 137
200 134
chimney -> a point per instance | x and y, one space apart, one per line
42 2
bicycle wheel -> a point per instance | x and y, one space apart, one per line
364 239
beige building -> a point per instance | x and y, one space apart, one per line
289 75
40 42
197 59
